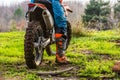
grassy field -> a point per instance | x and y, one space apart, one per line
93 57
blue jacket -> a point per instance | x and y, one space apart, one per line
32 1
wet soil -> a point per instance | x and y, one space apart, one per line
117 42
49 66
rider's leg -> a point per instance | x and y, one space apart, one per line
61 40
61 30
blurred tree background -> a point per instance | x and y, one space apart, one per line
97 15
12 17
90 14
117 14
18 14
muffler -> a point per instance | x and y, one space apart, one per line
48 19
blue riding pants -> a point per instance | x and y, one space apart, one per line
59 17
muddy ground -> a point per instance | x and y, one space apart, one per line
48 66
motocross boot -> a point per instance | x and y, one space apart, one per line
61 40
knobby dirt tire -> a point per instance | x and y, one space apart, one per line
29 46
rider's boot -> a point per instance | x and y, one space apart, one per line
61 40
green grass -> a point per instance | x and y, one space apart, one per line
99 42
101 56
11 44
94 54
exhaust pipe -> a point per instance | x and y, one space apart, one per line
48 19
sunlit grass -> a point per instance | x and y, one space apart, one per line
10 60
11 44
97 68
91 64
99 43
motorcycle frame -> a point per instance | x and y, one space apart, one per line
35 14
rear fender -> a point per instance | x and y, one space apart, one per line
32 9
35 11
33 6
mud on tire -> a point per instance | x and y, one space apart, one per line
29 46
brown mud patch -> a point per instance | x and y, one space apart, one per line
99 55
50 66
117 42
1 77
46 66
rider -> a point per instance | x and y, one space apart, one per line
61 30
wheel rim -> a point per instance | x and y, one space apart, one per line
38 52
38 55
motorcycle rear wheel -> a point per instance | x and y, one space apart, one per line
33 55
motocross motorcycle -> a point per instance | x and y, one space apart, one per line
40 32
